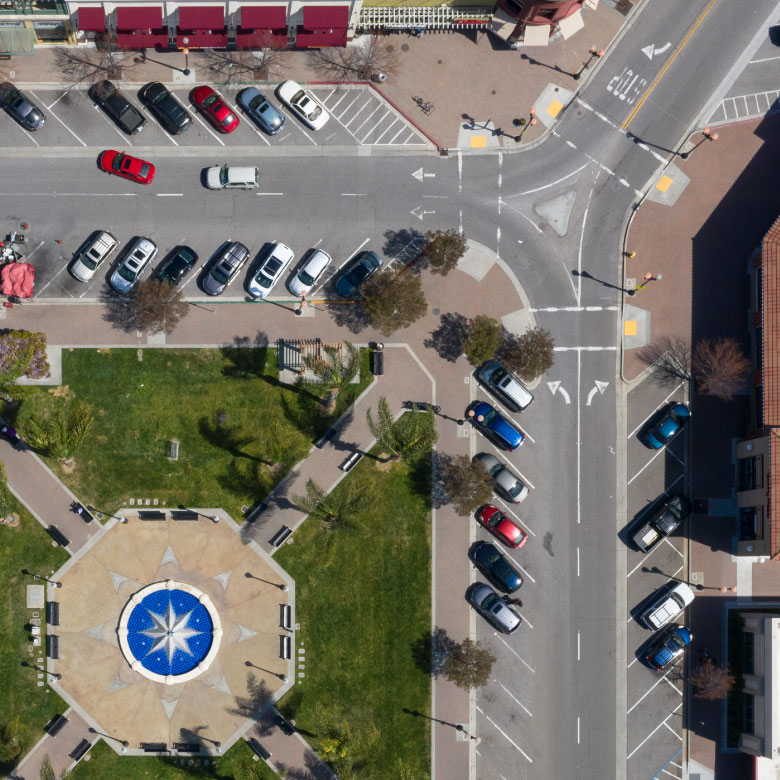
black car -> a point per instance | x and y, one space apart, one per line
364 266
496 567
25 112
161 102
178 265
659 521
118 107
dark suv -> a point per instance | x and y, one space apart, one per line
117 106
178 265
169 112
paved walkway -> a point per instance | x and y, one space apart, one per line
417 355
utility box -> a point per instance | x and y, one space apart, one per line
173 449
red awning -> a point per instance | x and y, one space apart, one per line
266 17
141 40
325 17
305 39
91 19
202 40
261 39
138 18
202 17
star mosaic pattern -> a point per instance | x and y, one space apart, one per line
169 632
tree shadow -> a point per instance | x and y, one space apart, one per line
430 651
447 339
256 703
438 494
228 438
421 476
403 245
349 315
247 359
117 310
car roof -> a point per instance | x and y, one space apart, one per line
317 262
506 431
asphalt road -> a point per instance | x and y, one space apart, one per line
557 706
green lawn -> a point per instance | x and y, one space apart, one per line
239 429
236 764
26 546
364 608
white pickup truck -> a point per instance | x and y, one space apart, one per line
667 603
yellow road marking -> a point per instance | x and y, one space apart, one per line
666 67
664 183
629 328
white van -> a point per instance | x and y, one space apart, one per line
230 177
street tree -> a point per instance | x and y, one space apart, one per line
719 367
47 771
443 249
483 336
412 433
61 433
469 664
90 65
710 681
376 54
335 371
10 744
342 508
529 354
467 483
156 306
671 356
230 67
393 301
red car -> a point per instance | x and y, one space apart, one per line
121 164
214 108
501 526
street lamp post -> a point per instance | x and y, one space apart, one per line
213 518
123 742
55 675
186 52
707 135
526 124
106 514
697 585
594 54
41 577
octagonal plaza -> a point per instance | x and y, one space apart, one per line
201 567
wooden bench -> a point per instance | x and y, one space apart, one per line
258 748
58 536
151 514
55 725
279 537
80 750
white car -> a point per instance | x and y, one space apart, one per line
91 257
270 270
307 275
667 604
128 272
304 105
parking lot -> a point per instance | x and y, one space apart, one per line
655 699
359 117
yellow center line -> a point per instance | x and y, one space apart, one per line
666 67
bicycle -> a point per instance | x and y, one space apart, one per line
425 106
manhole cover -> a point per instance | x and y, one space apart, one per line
404 47
579 113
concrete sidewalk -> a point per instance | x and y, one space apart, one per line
464 74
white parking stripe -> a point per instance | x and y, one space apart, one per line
353 254
511 558
40 290
258 133
150 116
66 127
514 698
297 124
384 116
412 138
196 114
327 96
655 411
51 105
516 470
515 653
357 129
358 112
660 452
508 509
332 108
396 135
662 723
507 737
648 691
666 539
26 132
385 132
125 138
347 109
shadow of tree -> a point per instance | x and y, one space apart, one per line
247 358
258 699
421 476
349 315
439 461
447 339
430 651
117 310
403 245
228 438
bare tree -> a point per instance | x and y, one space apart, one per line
376 55
671 356
268 59
719 367
710 681
87 66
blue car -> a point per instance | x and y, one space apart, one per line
660 433
496 427
260 110
496 567
365 265
667 646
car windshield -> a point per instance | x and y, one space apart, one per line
498 375
489 417
358 274
516 489
209 101
256 103
145 170
118 162
297 97
491 601
219 274
676 639
306 278
90 259
127 273
186 256
228 120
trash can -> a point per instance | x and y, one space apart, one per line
379 78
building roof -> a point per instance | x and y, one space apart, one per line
770 261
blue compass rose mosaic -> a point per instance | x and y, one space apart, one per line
169 632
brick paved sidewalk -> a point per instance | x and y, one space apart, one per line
470 73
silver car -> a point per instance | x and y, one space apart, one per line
126 275
507 484
92 256
492 607
225 267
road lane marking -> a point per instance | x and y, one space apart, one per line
579 434
578 561
551 184
506 736
349 256
578 729
354 194
578 645
554 309
655 411
584 349
676 53
514 698
579 251
269 193
673 712
170 194
648 691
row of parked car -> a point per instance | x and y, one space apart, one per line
227 262
172 115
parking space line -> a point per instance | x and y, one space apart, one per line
328 95
353 254
396 135
515 653
648 691
289 116
527 621
667 772
66 127
662 723
38 292
257 132
332 108
345 111
385 132
357 129
666 539
150 116
49 107
677 690
672 453
655 411
26 132
666 492
514 698
528 576
30 254
512 466
412 138
113 126
644 467
384 116
506 736
196 114
357 113
508 509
